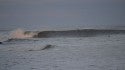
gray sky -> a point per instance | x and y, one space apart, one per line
52 14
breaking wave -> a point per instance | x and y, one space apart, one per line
16 34
22 34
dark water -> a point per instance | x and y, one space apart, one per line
78 33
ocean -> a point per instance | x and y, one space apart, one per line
62 50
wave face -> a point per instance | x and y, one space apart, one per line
77 33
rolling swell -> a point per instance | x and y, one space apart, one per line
77 33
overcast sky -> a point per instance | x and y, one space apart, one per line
49 14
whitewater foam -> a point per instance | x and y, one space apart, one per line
20 34
16 34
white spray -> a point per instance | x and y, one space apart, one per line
20 34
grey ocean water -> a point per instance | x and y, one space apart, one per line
4 35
